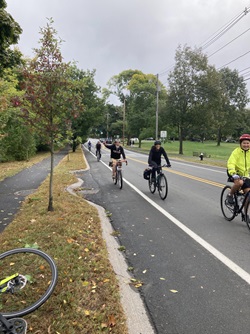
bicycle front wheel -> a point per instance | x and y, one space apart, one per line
151 184
228 210
162 186
119 179
41 273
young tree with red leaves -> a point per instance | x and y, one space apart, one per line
51 97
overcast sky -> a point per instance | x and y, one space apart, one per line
114 35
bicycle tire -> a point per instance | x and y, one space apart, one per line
27 261
162 186
119 179
228 210
151 184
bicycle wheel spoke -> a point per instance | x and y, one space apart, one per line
227 209
41 277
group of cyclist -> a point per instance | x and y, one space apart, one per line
117 152
238 164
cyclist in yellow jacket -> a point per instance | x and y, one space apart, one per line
238 167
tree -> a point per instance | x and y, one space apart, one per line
9 35
16 139
233 100
142 113
185 97
93 104
51 99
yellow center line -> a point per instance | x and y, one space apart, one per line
196 178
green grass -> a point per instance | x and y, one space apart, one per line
86 299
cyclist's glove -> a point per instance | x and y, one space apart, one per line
168 165
235 177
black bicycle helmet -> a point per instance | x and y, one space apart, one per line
157 142
245 136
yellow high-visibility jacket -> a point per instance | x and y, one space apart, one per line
239 162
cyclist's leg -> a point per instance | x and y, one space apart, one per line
114 167
246 188
236 186
154 169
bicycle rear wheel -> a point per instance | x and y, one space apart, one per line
162 186
119 179
41 274
227 209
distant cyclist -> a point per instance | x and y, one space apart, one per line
116 152
238 166
89 145
154 158
98 148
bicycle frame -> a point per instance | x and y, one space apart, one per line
239 208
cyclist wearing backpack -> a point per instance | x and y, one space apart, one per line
238 167
154 158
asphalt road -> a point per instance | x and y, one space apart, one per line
194 264
13 190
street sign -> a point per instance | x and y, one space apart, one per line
163 134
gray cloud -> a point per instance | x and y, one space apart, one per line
115 35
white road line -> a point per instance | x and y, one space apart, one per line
224 259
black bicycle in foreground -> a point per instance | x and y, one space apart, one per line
160 182
28 278
241 205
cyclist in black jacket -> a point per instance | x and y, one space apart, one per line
154 159
116 152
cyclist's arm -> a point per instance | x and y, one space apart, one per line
231 163
166 158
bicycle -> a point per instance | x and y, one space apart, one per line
30 277
118 179
241 205
160 182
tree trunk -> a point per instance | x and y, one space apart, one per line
219 136
50 206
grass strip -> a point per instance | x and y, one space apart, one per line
86 299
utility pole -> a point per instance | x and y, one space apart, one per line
123 123
157 106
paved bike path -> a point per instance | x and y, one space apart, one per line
14 189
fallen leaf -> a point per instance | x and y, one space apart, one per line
111 320
87 313
174 291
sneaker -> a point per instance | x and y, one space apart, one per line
230 199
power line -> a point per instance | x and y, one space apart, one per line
224 29
228 43
234 59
